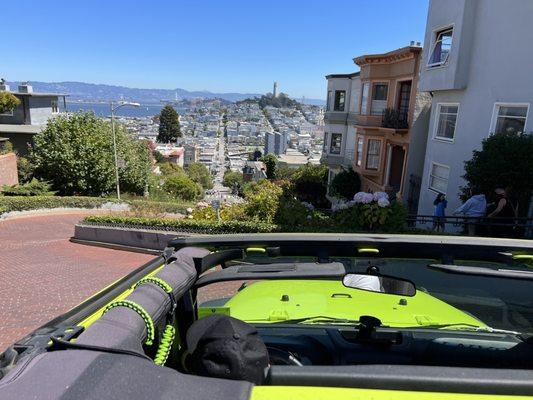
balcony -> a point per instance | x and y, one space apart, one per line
389 119
335 117
344 158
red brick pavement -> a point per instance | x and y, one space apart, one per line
43 275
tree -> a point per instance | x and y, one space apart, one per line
271 162
310 184
262 200
75 154
345 184
168 169
284 172
182 187
8 101
169 125
199 173
505 160
233 180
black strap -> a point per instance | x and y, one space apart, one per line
60 344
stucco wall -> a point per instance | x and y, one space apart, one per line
500 70
40 109
8 170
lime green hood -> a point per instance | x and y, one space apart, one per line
275 301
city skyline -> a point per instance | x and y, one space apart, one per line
229 47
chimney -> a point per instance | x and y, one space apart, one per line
25 87
4 87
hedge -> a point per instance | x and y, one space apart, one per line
205 226
25 203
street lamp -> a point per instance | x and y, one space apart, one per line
113 109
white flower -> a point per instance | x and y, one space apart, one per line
189 210
383 202
381 195
358 198
367 198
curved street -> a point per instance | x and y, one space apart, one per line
44 275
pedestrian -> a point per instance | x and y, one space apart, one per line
474 209
439 214
501 214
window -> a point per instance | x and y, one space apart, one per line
379 98
55 108
446 121
325 141
441 48
373 153
364 98
359 159
438 177
509 118
380 91
336 142
340 96
8 113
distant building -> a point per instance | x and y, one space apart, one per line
276 142
29 117
478 70
294 159
254 171
191 155
275 90
172 154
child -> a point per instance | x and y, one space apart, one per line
440 204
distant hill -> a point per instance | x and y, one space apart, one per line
80 91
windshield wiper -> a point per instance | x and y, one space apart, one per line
318 319
465 326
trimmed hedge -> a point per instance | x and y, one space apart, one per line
25 203
205 226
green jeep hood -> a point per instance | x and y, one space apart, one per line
278 300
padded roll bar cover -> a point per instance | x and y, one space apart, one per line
123 328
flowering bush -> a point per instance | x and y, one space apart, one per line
370 211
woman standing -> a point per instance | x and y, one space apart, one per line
440 204
501 212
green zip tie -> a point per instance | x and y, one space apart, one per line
150 330
165 346
156 281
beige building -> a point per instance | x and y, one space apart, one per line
388 118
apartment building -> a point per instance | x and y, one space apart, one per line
29 117
339 135
376 122
478 68
276 142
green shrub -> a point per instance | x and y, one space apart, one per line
199 173
234 212
345 184
357 217
262 200
6 147
182 187
25 203
205 226
24 169
310 184
32 188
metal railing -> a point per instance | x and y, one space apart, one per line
393 118
519 227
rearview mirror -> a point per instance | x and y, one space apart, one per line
380 283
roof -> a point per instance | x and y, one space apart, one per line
352 75
391 56
10 128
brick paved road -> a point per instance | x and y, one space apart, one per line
43 275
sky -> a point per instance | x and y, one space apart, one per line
216 45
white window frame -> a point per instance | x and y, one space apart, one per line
430 175
437 119
496 110
434 41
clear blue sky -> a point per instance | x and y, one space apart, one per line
217 45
